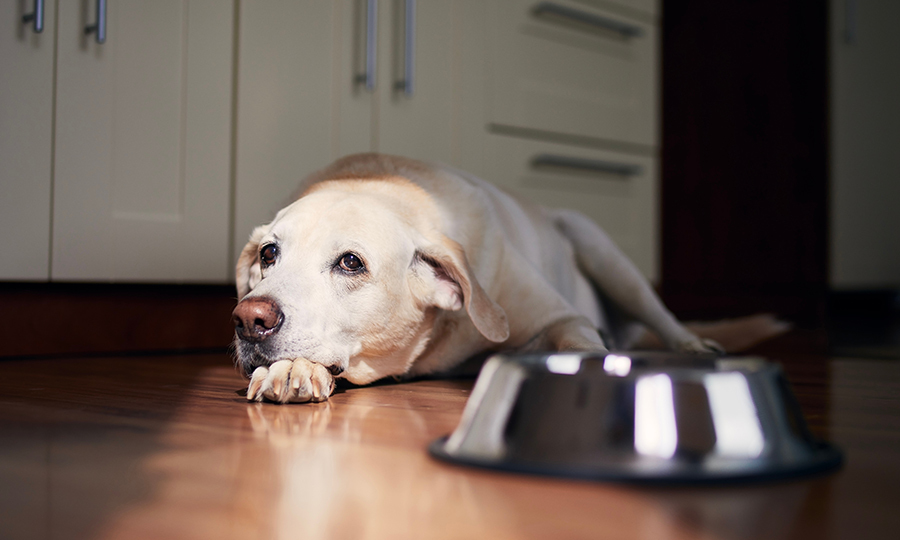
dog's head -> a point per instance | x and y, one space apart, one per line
352 276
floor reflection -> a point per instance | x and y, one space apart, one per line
730 513
331 477
110 462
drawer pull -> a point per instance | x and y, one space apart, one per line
36 16
588 165
99 27
368 78
409 49
551 9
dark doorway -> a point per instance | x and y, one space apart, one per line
744 168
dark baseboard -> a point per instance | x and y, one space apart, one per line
864 323
53 319
871 303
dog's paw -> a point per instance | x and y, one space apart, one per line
699 346
291 381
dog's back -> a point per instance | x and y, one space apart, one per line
569 251
529 229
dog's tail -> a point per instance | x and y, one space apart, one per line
734 335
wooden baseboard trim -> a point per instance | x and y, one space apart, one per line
53 319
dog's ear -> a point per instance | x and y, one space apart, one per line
247 274
452 285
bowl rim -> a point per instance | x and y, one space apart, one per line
824 458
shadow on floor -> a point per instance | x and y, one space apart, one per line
75 435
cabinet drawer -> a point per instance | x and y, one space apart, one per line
569 67
618 191
647 7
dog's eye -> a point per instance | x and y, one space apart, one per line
351 263
268 254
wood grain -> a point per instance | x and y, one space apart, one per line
166 447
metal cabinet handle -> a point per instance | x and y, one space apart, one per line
589 165
850 22
409 49
368 78
99 27
36 17
550 9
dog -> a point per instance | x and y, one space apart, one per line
387 266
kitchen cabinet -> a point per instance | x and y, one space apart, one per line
569 111
141 181
864 183
139 116
497 83
618 190
151 156
304 98
26 136
563 66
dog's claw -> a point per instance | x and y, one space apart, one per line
256 382
277 381
301 378
714 346
699 346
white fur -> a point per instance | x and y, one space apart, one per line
454 267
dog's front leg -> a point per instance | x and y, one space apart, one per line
291 381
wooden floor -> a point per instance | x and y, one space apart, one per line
167 448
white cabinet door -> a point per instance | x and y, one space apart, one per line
354 108
141 188
299 103
302 101
285 103
26 135
385 118
865 139
419 124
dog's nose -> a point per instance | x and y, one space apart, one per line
255 319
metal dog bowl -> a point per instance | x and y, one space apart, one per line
636 417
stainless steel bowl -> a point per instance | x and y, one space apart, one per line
636 417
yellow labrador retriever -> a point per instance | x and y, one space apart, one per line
388 266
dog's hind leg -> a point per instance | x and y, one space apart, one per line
620 281
575 333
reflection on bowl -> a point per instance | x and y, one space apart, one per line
636 417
